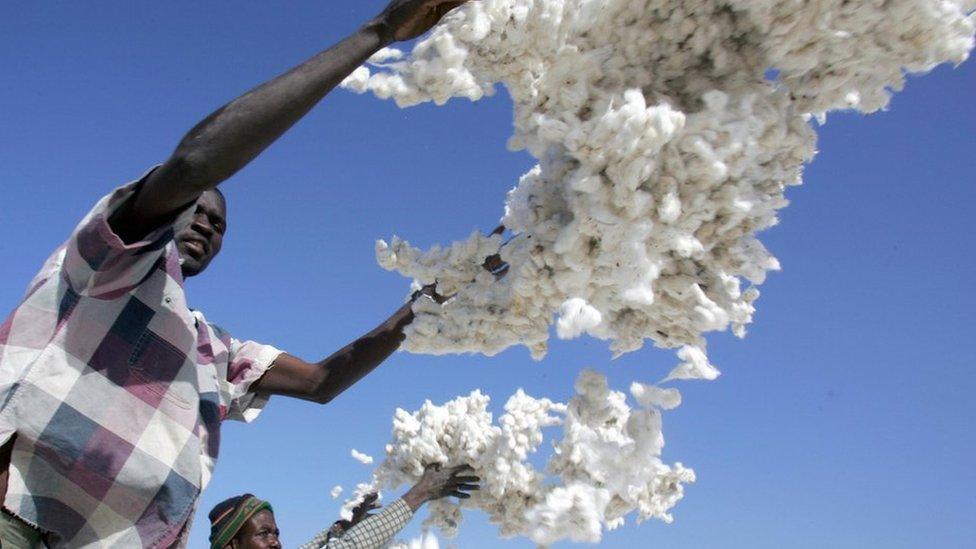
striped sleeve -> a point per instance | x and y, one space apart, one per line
372 532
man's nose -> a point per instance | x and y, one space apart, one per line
202 224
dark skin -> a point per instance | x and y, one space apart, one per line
261 530
235 134
226 141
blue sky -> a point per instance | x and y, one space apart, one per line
844 419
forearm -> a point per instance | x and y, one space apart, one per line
375 531
354 361
322 381
414 498
232 136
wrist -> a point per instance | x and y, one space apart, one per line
381 29
414 499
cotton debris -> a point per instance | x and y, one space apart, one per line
605 467
361 457
666 133
425 541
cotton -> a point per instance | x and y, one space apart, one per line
605 467
666 134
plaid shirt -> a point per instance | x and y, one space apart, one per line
116 389
370 533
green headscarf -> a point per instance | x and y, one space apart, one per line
228 517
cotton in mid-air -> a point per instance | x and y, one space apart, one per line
666 133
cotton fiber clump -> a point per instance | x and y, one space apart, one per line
666 133
361 457
426 541
606 466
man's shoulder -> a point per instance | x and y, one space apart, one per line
218 331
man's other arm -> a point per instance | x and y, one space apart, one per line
324 380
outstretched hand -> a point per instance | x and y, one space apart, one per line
406 19
359 512
438 482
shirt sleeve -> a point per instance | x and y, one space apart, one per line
98 264
247 362
371 533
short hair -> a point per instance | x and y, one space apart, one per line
221 194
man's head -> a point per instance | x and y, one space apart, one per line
201 240
243 522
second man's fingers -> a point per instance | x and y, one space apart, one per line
467 487
460 495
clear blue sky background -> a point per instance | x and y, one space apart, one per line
845 419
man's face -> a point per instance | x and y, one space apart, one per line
201 240
259 532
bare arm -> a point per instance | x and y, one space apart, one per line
236 133
322 381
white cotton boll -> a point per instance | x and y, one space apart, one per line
361 457
575 510
385 55
335 492
715 100
695 365
385 256
357 80
427 541
654 396
476 26
670 209
587 184
686 245
640 295
576 317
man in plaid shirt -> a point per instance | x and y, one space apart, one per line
112 390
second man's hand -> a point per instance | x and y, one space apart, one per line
438 482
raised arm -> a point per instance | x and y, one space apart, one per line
234 134
367 531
